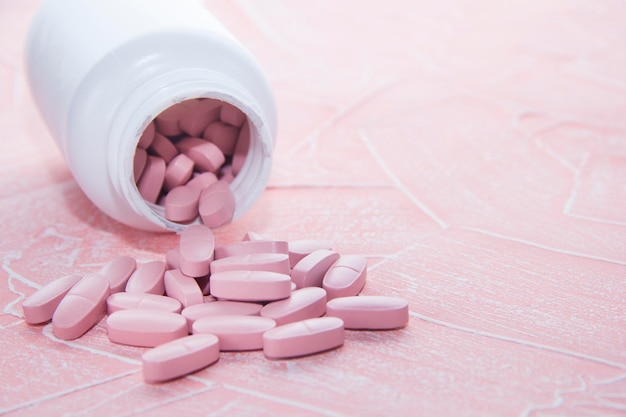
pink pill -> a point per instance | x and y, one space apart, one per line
147 278
220 308
200 181
172 259
163 147
118 271
168 121
178 171
151 181
370 312
183 288
241 149
250 285
206 156
217 204
274 262
40 306
346 277
186 143
310 271
81 308
139 162
305 303
298 249
145 328
196 250
147 136
303 338
232 115
140 301
223 135
180 357
181 204
250 247
236 333
199 116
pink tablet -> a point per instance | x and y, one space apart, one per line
298 249
310 270
118 270
181 204
182 287
251 246
346 277
250 285
274 262
196 250
370 312
40 306
151 181
303 338
147 278
305 303
217 204
177 172
235 332
147 136
81 308
219 308
163 148
180 357
146 328
140 301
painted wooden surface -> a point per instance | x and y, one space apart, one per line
475 152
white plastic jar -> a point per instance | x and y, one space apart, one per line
101 70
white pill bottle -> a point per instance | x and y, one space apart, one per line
101 70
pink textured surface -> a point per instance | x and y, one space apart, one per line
474 152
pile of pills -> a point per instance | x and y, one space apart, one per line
289 299
187 156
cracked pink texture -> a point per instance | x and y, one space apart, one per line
472 151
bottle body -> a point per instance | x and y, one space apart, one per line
101 71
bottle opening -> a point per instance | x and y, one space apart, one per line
186 158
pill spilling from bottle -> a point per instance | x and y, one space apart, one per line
288 299
187 157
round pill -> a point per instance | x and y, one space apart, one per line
206 156
177 172
81 308
40 306
199 115
200 181
232 115
303 338
180 357
370 312
235 333
145 328
163 147
168 121
223 135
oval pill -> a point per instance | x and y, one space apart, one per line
82 307
147 136
219 308
305 303
145 328
346 277
298 249
310 270
183 288
235 333
303 338
223 135
241 148
217 204
139 162
205 156
196 250
140 301
147 278
181 204
199 116
274 262
232 115
180 357
118 270
177 172
370 312
250 285
40 306
151 180
248 247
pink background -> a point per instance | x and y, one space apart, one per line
475 152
